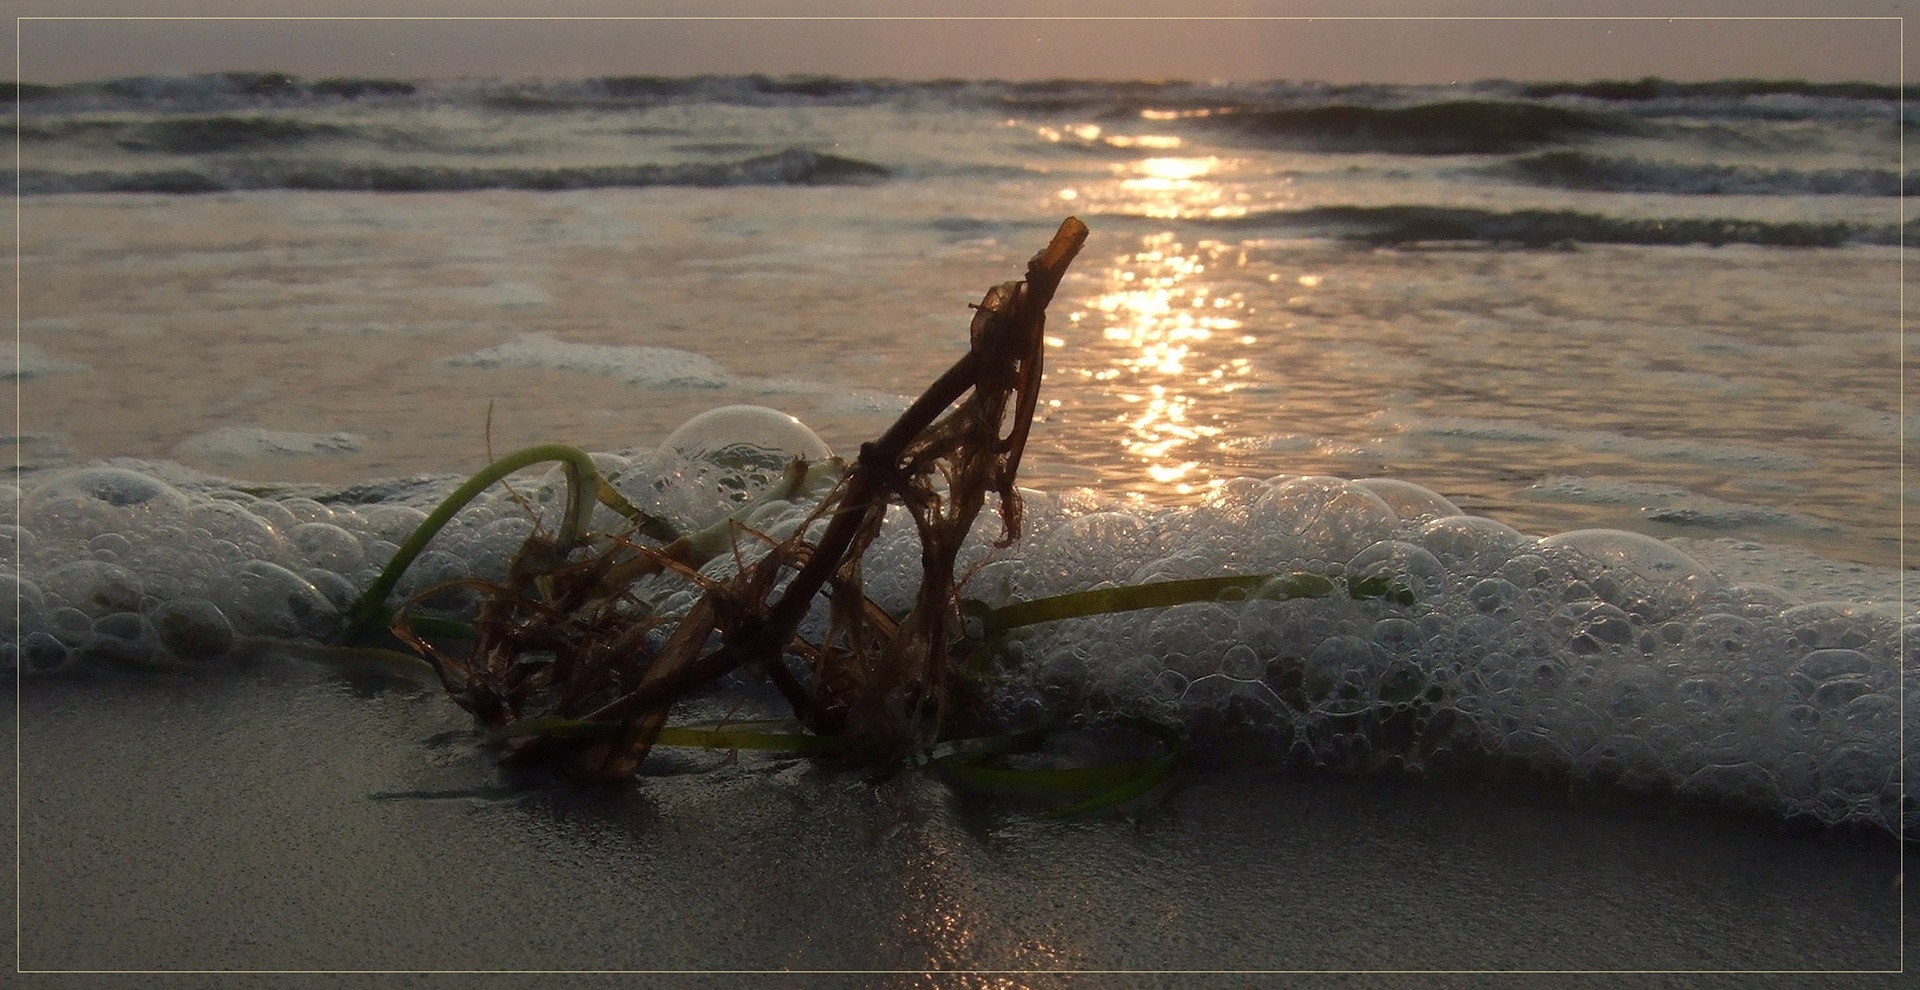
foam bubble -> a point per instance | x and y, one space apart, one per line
119 638
95 587
1472 544
277 516
192 629
327 546
1328 519
305 510
1084 552
251 536
388 522
21 604
264 598
1404 568
1409 501
1649 578
82 503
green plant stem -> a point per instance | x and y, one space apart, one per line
710 736
1097 787
1160 594
393 662
370 612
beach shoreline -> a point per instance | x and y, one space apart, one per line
285 816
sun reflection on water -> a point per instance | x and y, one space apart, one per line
1168 343
1169 187
1168 337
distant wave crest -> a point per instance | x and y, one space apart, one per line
792 167
211 89
1451 128
189 135
1579 170
1654 88
1545 228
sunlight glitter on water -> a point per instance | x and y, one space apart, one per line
1163 331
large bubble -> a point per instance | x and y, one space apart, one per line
718 461
84 503
95 587
266 599
1397 570
1639 574
242 534
1472 544
1324 519
1409 501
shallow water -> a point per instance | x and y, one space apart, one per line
1736 391
1284 277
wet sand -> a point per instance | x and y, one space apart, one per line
248 820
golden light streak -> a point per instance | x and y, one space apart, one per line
1161 326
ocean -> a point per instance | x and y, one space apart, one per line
1607 375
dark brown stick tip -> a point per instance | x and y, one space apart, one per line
1066 243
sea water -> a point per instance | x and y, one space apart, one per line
1608 376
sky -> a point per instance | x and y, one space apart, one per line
1387 41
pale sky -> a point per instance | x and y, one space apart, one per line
1793 40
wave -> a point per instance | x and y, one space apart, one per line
1456 127
1655 88
1101 99
639 92
1598 658
1580 170
1732 100
227 134
1413 224
238 90
792 167
228 90
213 89
193 135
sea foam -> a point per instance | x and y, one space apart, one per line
1597 657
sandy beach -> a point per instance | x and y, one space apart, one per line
287 816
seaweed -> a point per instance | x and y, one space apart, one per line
573 662
573 668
